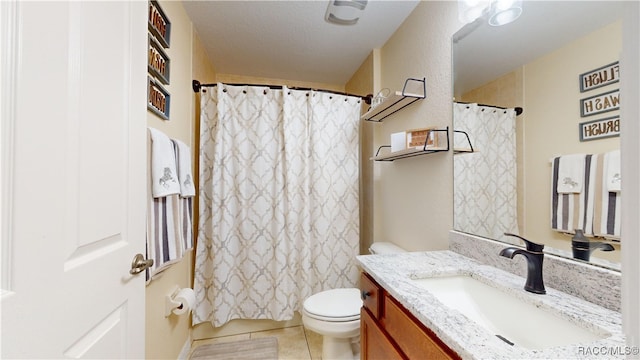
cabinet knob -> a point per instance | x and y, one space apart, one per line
365 294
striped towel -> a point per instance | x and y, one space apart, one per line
183 166
571 174
169 225
606 222
163 164
612 173
164 239
187 191
570 211
186 222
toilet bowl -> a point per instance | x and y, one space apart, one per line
335 314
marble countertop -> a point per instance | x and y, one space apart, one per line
467 338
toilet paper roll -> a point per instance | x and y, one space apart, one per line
187 299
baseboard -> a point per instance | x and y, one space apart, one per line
241 326
186 349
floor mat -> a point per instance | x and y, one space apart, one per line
253 349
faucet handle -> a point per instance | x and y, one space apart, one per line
531 246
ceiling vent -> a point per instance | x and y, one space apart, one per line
344 12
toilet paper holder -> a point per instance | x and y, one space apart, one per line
170 303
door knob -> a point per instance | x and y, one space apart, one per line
139 264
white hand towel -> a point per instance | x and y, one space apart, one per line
183 162
571 174
164 176
612 172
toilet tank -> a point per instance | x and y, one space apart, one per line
385 248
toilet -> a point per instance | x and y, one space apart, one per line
385 248
335 314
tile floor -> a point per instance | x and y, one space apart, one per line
294 343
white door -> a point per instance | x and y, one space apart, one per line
73 178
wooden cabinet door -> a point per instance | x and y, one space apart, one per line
373 342
371 295
415 341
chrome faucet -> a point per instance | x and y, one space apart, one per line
534 256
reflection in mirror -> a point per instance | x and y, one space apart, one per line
538 63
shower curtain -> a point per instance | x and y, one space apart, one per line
485 181
279 216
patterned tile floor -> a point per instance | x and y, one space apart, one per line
294 343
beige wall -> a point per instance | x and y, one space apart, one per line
552 108
203 71
361 83
413 197
166 337
180 125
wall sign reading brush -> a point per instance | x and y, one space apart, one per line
158 99
158 62
600 129
601 103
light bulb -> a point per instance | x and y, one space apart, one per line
505 11
469 10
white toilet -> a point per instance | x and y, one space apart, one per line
335 314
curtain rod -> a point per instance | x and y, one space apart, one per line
518 110
367 99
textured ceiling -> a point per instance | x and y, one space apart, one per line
290 39
485 52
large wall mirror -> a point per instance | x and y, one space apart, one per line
537 63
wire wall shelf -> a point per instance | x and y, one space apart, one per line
415 151
462 150
397 101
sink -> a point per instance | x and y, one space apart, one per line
513 320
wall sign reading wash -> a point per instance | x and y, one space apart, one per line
158 61
158 99
597 104
159 24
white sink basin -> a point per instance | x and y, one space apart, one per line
513 320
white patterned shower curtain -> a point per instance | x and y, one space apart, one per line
485 181
279 216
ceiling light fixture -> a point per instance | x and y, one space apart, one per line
344 12
505 11
499 12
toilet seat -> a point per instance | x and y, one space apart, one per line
335 305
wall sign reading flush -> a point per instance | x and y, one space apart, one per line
159 24
599 77
158 99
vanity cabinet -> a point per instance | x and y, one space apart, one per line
389 331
